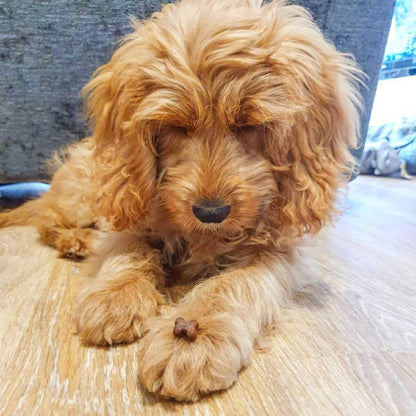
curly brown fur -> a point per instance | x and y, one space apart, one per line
216 100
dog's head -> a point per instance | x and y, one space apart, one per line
227 112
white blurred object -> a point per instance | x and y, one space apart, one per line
395 98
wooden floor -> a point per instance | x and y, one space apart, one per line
348 350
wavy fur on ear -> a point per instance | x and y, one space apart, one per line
310 148
124 154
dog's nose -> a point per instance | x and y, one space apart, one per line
211 211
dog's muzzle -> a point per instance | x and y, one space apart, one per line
212 211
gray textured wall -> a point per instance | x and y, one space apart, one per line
49 49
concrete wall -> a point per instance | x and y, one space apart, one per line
49 49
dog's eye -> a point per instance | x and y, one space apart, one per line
180 130
167 130
250 129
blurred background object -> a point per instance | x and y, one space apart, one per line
14 194
393 118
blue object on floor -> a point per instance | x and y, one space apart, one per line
23 190
14 194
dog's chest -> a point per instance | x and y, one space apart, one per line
187 260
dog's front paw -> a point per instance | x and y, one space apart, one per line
113 315
177 362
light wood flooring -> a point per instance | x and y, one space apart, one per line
349 349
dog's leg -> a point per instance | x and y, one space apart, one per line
121 292
222 318
73 242
72 237
63 215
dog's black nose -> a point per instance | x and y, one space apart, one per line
211 211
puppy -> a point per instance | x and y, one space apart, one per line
221 135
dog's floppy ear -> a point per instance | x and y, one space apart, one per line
125 158
310 150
